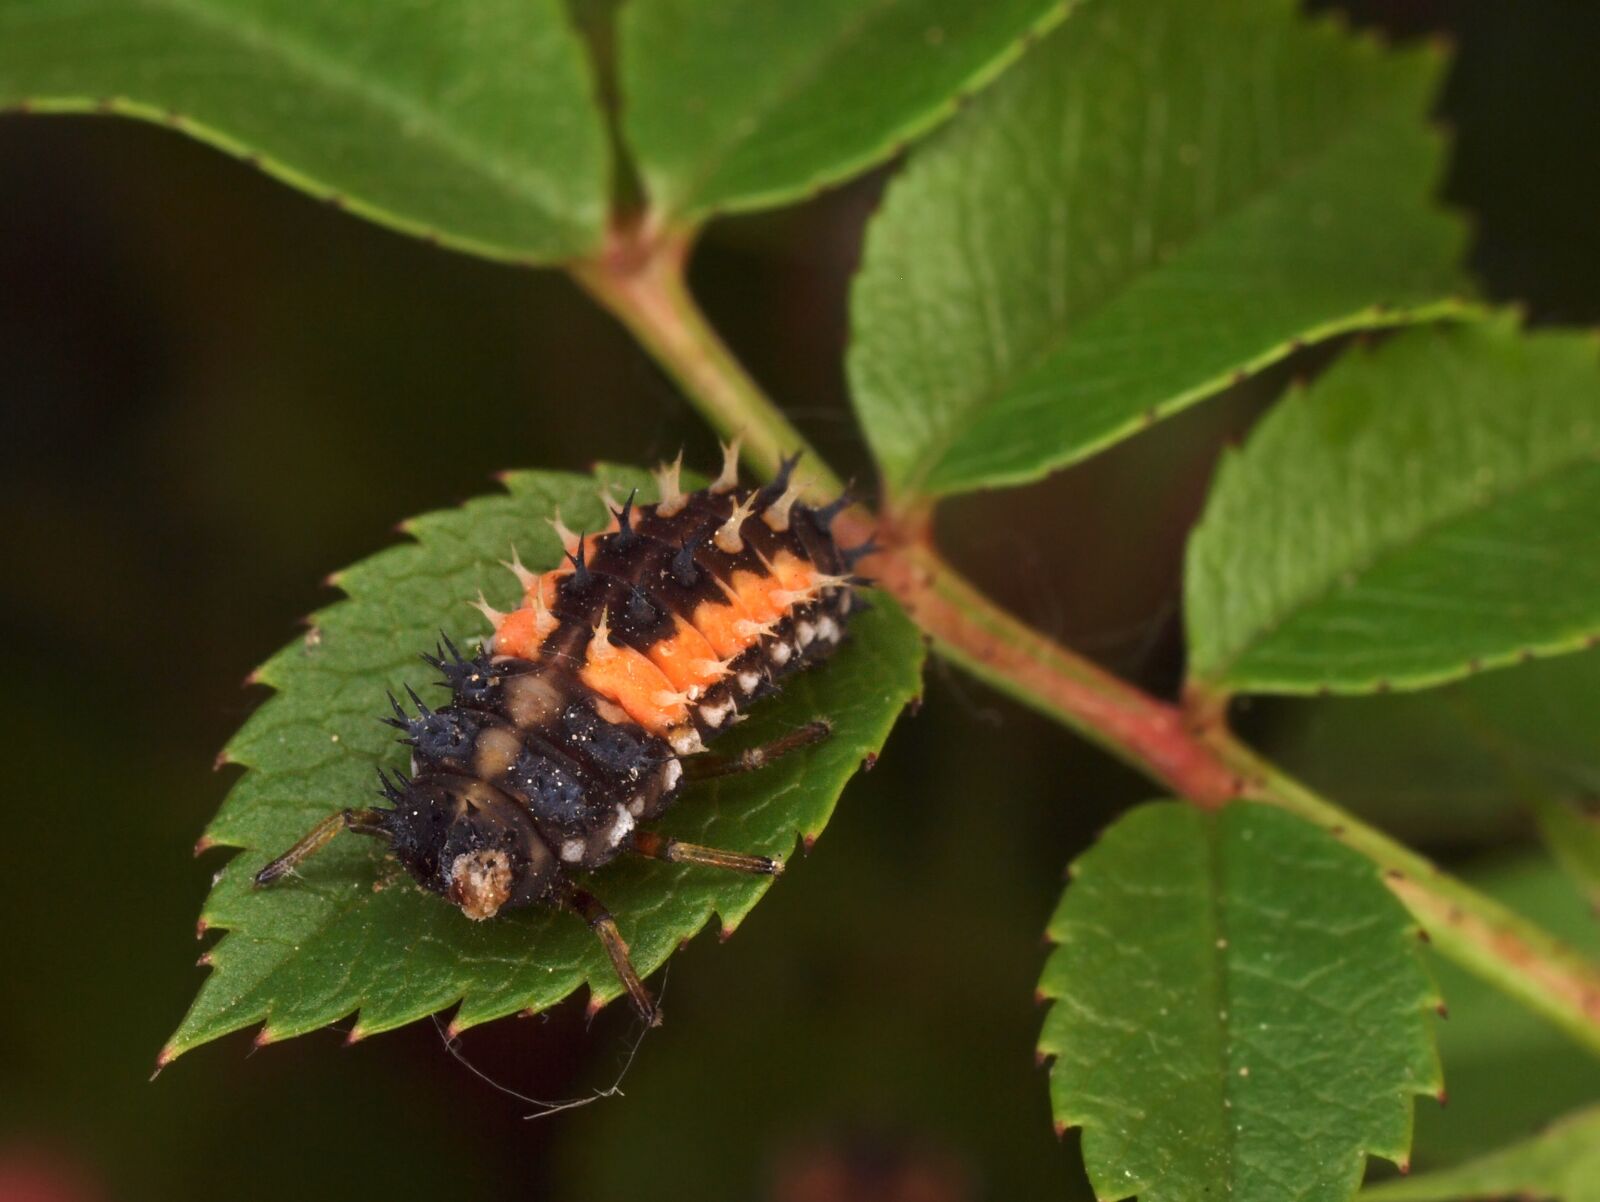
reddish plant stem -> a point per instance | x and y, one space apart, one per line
639 277
1138 729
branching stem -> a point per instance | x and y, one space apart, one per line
1188 748
639 277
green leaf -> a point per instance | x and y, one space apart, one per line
1562 1163
351 933
1240 1010
744 104
1511 1071
1161 195
1457 763
1425 509
470 122
1572 833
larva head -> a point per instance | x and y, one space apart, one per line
469 841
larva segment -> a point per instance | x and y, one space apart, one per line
628 678
687 659
518 634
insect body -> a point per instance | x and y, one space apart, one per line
589 706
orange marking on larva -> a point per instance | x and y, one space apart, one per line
793 573
634 683
518 634
686 658
755 594
719 624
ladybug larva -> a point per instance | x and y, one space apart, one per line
589 706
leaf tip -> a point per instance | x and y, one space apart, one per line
1060 1126
201 926
265 1036
357 1033
726 933
1442 1097
203 844
163 1058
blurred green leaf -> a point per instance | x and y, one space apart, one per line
1562 1163
1160 196
1509 1072
1572 833
743 104
1462 761
321 946
471 122
1239 1009
1425 509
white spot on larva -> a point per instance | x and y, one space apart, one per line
715 715
620 828
636 806
827 630
779 654
805 632
686 741
572 850
749 680
671 774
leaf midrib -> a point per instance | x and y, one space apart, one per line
417 121
1480 503
1289 168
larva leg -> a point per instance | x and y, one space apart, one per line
706 767
675 851
364 822
587 906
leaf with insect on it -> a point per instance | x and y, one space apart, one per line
352 933
1426 508
470 122
1239 1009
1561 1163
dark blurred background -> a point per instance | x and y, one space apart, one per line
214 391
